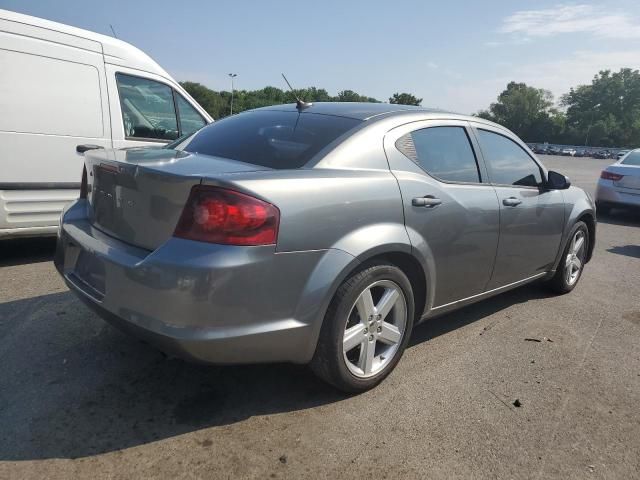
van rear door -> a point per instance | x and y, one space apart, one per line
53 94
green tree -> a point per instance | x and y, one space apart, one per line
606 112
213 102
405 99
218 104
351 96
527 111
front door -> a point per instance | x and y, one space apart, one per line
531 218
451 214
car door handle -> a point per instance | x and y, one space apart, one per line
428 201
511 202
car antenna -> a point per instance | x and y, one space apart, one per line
300 104
113 31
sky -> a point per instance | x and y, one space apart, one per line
454 55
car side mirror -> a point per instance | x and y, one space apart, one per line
557 181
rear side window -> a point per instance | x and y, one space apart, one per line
148 110
633 158
271 139
507 162
443 152
190 119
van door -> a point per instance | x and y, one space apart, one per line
147 109
53 98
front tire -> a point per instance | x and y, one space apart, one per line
366 328
572 261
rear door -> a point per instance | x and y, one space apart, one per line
450 210
531 218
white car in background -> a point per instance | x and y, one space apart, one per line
619 184
568 151
64 90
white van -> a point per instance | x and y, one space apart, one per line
63 90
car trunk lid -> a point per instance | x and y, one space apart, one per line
137 195
631 176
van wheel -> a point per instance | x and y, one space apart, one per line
572 261
366 328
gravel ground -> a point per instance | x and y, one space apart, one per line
79 399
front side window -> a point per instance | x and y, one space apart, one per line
443 152
507 162
190 119
148 110
273 139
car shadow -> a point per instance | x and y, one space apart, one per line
23 251
446 323
73 386
627 250
621 217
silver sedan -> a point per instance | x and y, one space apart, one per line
317 233
619 184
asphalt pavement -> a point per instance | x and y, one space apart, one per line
523 385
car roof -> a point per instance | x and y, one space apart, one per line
356 110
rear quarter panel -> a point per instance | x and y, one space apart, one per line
351 210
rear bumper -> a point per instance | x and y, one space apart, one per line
203 302
608 194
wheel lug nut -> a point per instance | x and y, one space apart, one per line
371 338
379 329
366 330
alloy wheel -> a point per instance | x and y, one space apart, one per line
374 328
575 257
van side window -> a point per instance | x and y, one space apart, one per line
148 111
190 119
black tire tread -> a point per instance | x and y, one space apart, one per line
323 363
557 283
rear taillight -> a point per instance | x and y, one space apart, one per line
616 177
218 215
83 186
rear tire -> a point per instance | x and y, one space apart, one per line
364 334
572 261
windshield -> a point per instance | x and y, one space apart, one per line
269 138
632 159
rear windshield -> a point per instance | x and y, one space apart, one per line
271 139
632 159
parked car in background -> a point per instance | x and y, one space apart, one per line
317 233
602 154
581 152
554 151
619 184
568 152
540 150
64 90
